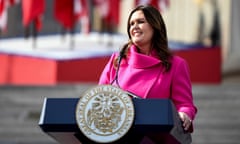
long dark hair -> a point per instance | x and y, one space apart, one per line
159 40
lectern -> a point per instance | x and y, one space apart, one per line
154 119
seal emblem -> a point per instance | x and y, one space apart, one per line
104 113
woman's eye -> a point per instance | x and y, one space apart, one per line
132 23
137 22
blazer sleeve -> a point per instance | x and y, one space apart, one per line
181 89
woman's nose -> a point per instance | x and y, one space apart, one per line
135 25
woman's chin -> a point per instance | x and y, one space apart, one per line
137 42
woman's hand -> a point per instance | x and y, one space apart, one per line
186 120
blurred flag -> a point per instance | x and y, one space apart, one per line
32 12
12 2
113 15
144 2
81 12
109 10
102 7
64 13
3 15
68 12
161 5
4 4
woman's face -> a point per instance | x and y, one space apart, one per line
140 31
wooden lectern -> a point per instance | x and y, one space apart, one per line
155 120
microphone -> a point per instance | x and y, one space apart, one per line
133 95
118 67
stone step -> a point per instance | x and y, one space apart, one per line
217 121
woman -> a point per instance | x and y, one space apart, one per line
146 67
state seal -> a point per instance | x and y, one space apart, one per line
104 113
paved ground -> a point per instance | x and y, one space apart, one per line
217 122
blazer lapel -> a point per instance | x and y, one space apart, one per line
139 73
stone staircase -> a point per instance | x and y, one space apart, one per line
217 121
218 118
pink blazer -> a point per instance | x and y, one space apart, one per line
145 76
